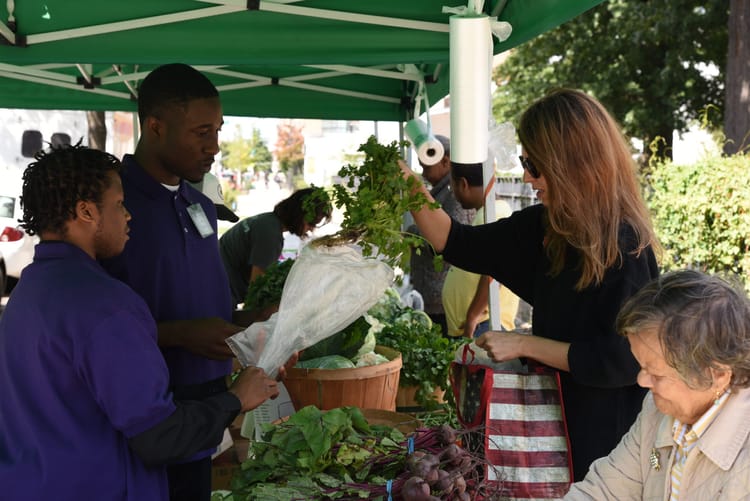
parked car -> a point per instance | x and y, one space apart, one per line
16 246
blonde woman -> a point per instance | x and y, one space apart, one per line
576 257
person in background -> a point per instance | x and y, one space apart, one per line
690 333
423 276
172 258
86 408
211 187
575 258
253 244
465 294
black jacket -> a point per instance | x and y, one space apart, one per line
600 394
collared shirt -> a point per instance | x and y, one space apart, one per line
80 374
171 266
685 436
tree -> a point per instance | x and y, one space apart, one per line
260 156
737 122
657 65
242 154
290 152
97 130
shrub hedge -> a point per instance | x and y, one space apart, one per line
702 214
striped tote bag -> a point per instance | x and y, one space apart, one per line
518 424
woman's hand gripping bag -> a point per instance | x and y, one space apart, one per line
517 422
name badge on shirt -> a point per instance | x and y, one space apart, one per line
200 220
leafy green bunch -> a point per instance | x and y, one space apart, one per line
266 290
317 206
375 198
321 455
426 354
336 454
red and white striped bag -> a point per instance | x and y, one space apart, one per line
522 430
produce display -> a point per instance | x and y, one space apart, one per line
337 454
374 196
326 290
346 343
426 354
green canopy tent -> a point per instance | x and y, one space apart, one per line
330 59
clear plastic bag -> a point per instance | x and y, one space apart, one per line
249 344
502 146
326 290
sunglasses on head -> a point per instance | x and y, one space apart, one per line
526 164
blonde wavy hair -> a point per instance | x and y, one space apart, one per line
592 188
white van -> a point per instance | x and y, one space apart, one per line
22 134
16 246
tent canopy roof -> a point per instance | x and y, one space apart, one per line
334 59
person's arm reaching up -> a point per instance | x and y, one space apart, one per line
434 224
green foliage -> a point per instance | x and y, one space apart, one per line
230 194
375 198
702 214
426 355
241 154
345 343
645 61
266 290
320 455
317 204
326 362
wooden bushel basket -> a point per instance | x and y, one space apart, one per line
373 387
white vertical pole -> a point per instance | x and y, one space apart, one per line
490 214
470 90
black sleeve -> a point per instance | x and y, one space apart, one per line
200 391
194 426
508 249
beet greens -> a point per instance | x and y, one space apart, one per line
336 454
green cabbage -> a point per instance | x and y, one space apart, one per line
371 358
388 306
327 362
345 343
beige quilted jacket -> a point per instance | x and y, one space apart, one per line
717 469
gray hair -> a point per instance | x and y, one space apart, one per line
701 321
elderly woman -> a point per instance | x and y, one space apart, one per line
691 336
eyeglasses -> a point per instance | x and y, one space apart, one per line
526 164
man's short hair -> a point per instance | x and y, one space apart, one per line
172 85
471 172
60 178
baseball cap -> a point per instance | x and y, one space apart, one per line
211 187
